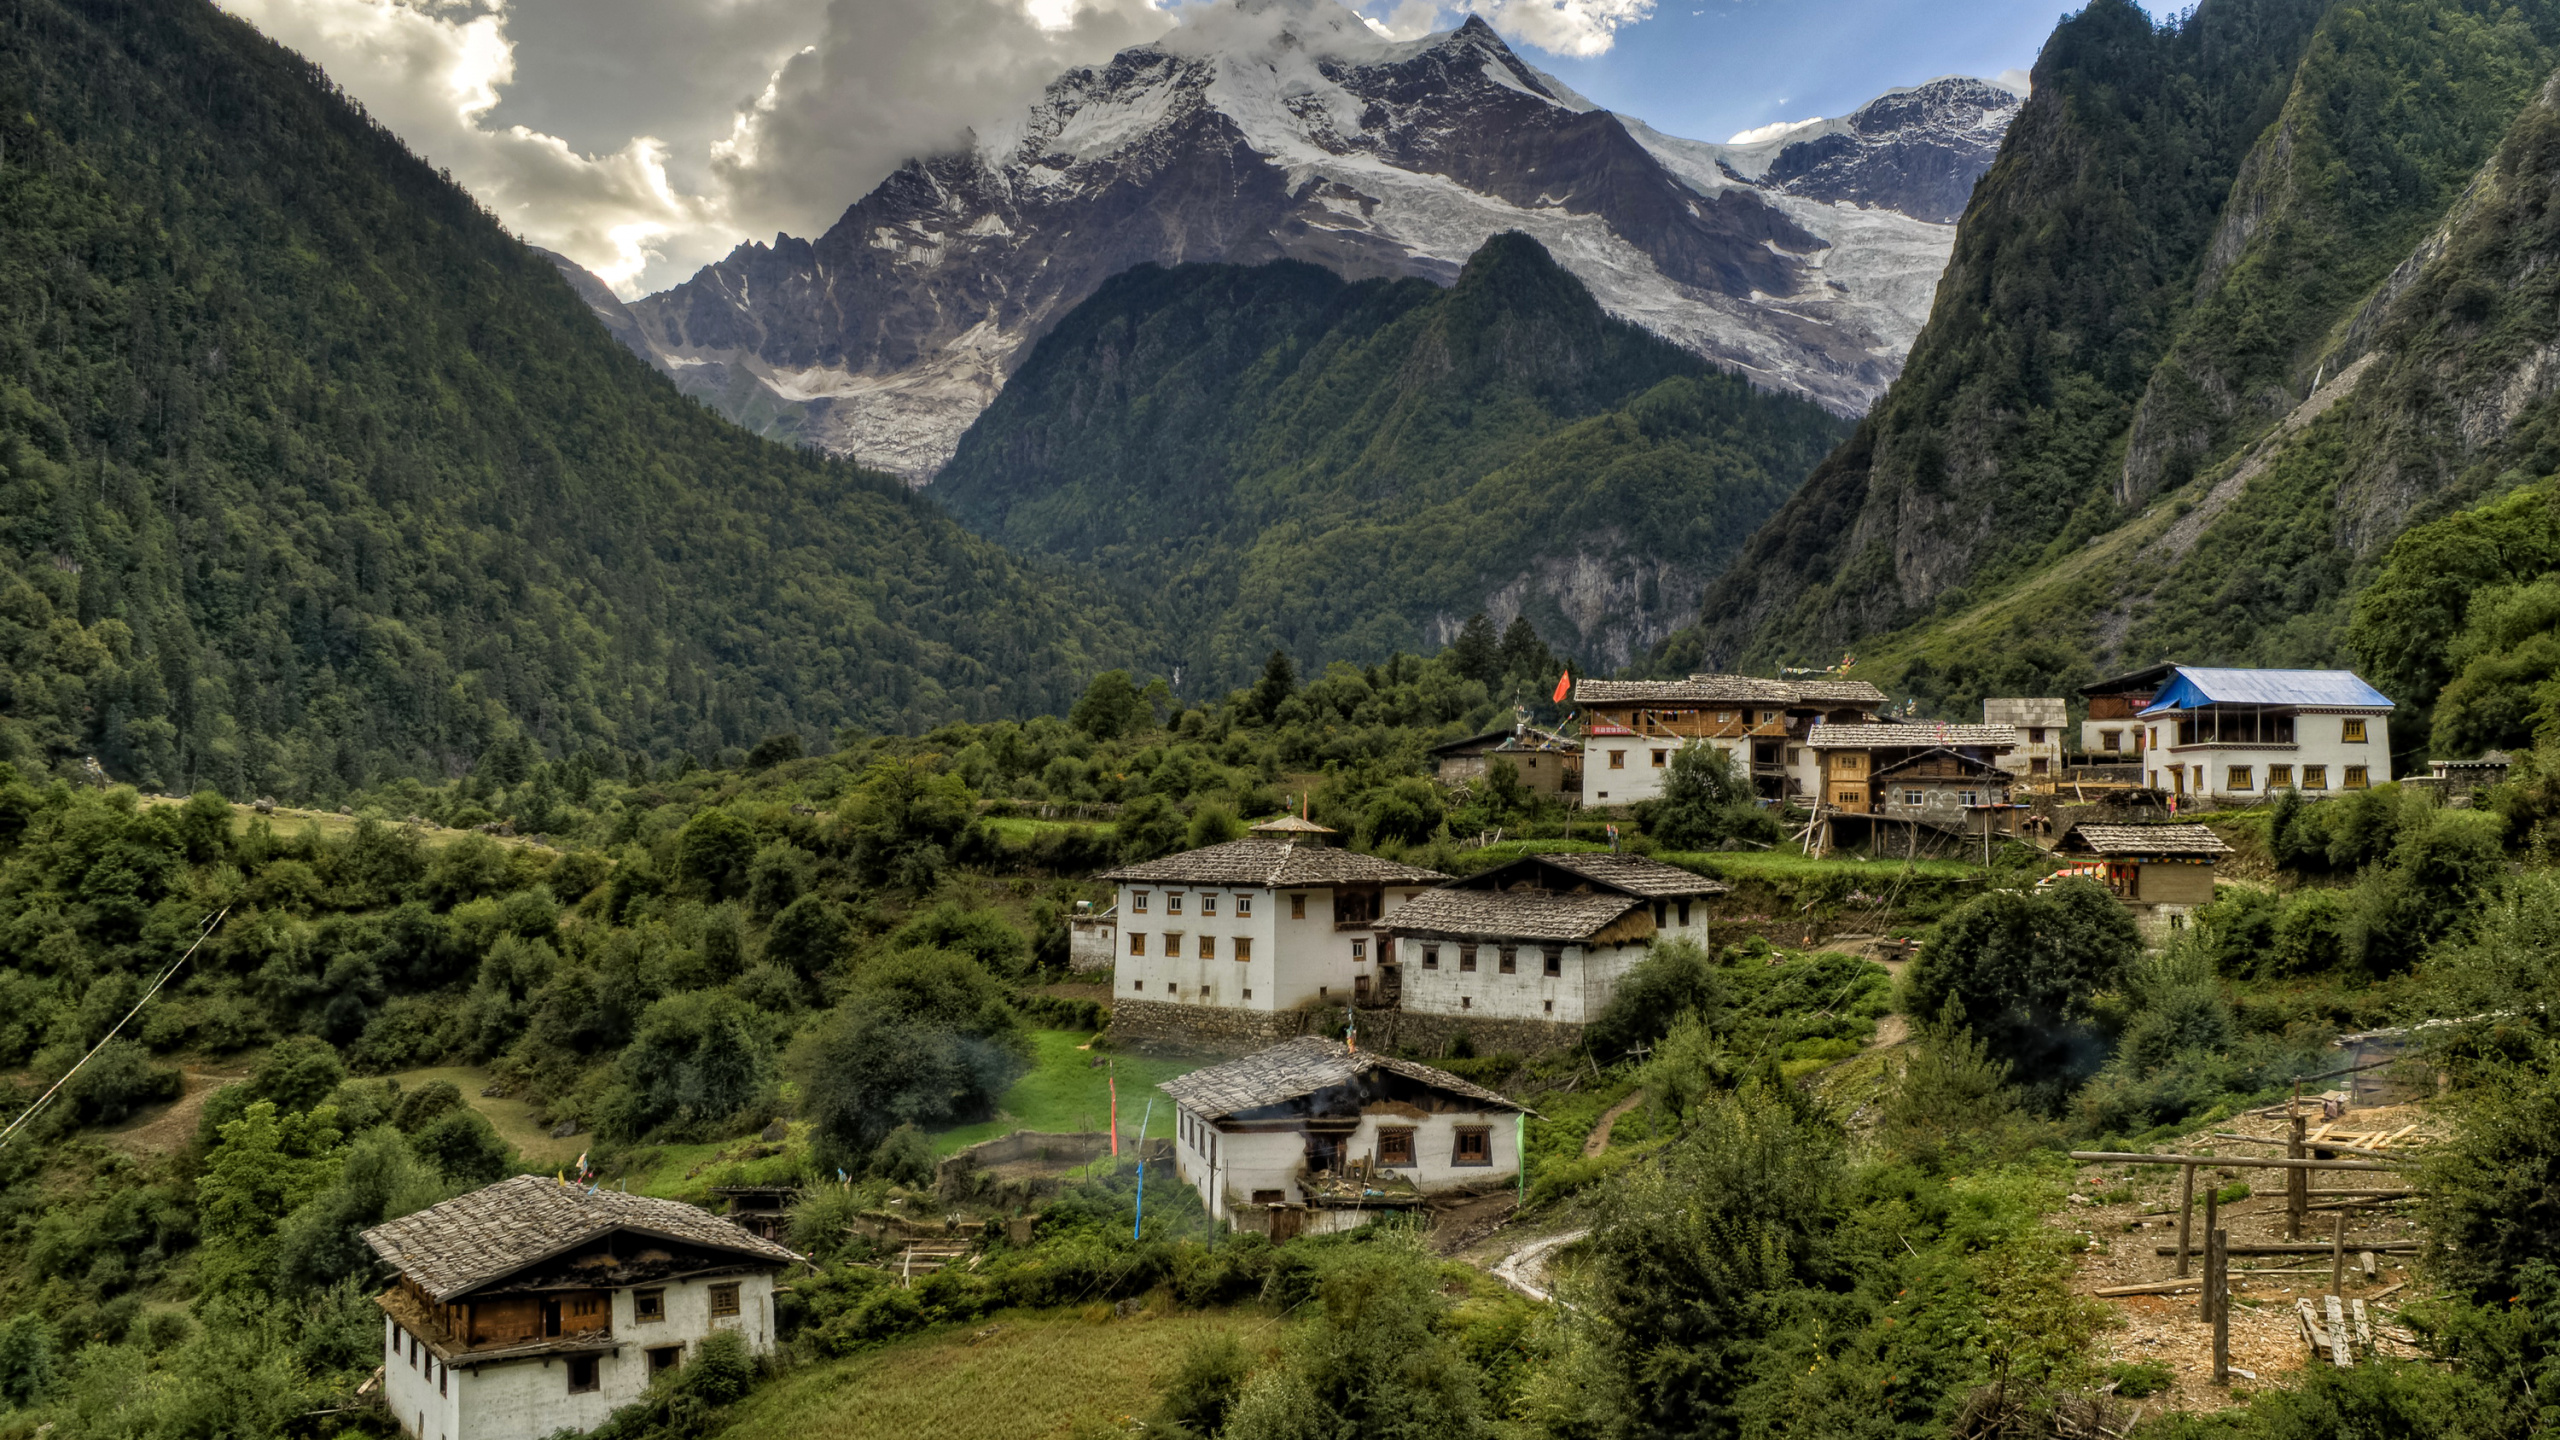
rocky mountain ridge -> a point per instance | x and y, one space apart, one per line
1270 129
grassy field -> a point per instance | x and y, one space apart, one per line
330 824
1037 1376
1018 830
512 1118
1064 1092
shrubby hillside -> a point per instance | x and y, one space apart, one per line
310 475
1270 456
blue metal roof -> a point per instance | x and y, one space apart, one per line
2189 687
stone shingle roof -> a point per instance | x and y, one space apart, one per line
1298 1068
491 1233
2138 840
1725 689
1558 915
1909 737
1258 861
1633 874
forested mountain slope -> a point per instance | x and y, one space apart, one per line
1283 459
310 473
2107 446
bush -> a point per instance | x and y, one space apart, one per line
904 1158
1707 801
1674 978
2021 972
116 1082
925 1038
699 1061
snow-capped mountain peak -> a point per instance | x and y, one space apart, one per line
1262 129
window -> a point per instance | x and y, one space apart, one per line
1617 759
1138 902
2352 732
1173 902
1173 944
2035 734
1430 957
2279 776
1555 959
1137 942
1474 1147
2111 740
2315 777
1395 1148
1270 1197
1911 798
2037 767
1208 904
1244 907
1172 989
1248 992
1661 912
724 1299
444 1379
2239 775
1208 947
1968 797
1360 985
1466 959
1244 947
1533 762
1794 756
1661 758
1297 907
1551 1007
1684 914
1466 1002
1848 797
665 1358
1137 984
2354 779
1510 959
582 1374
1359 952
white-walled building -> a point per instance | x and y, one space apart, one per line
2234 736
1277 1136
2041 725
1633 727
530 1306
1545 937
1261 924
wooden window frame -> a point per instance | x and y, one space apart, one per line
1244 907
724 1299
1482 1136
1208 903
1243 947
1298 907
649 1307
1394 1142
2351 732
2315 777
2358 777
594 1375
1173 902
1138 901
1617 759
1208 947
1430 957
1661 758
2279 777
1554 955
1138 943
1466 959
1507 959
2239 777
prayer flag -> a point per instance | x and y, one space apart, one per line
1564 683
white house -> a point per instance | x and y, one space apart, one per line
1545 937
530 1306
1312 1135
1633 727
2234 736
1261 924
2041 725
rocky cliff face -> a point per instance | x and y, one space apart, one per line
1914 151
1271 129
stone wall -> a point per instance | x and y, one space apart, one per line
1152 1027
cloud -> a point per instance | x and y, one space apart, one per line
1580 28
888 80
1408 20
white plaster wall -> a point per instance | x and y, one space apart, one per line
1590 977
1224 978
1435 1141
2093 740
410 1391
1093 942
529 1398
1250 1160
2318 740
1641 780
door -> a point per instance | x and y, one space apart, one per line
1285 1222
551 1319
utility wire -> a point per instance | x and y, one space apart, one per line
204 932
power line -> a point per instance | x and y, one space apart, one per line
204 932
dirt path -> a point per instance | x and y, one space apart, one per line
1599 1139
1525 1269
174 1124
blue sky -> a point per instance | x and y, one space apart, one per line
1708 68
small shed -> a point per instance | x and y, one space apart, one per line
1940 786
1312 1135
2162 873
1548 764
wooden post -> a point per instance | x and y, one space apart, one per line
2218 1284
2338 1256
2186 1215
2212 1217
2297 1182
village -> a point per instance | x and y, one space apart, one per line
1311 1008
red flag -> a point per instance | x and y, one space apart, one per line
1564 683
1114 1082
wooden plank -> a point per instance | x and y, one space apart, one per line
2364 1329
2232 1162
2150 1287
2365 1259
2186 1213
2312 1334
2387 1247
2339 1354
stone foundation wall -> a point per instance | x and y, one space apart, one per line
1153 1027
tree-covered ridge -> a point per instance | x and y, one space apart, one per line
312 475
1284 459
2058 542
